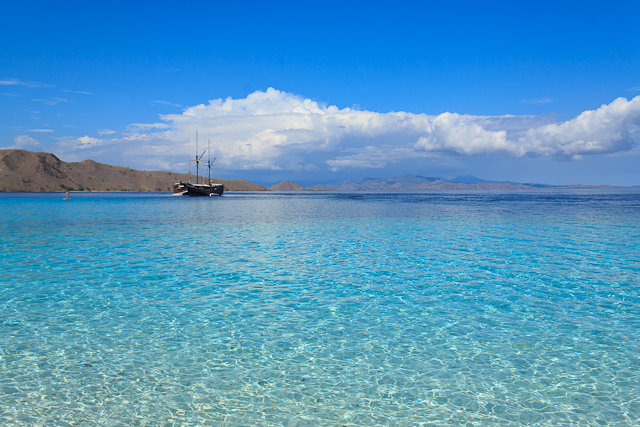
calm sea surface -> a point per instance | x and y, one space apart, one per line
312 309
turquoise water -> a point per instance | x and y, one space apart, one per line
442 308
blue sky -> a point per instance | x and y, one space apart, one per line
330 91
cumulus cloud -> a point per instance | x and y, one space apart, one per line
272 130
24 142
609 129
460 134
275 130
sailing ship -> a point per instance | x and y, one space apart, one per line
207 188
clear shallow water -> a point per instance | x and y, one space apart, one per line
444 308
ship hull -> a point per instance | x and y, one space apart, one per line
197 190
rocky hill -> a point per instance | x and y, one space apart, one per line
22 170
287 186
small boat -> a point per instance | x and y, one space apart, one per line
199 189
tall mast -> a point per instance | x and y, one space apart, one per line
209 163
197 160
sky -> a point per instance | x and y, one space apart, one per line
540 92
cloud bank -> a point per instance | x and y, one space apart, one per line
609 129
275 130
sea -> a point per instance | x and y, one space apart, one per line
461 308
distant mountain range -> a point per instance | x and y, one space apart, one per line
22 170
416 182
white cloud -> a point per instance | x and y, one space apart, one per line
165 103
538 100
609 129
87 142
453 132
78 147
275 130
16 82
270 130
40 130
51 101
24 142
77 91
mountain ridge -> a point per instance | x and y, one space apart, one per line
468 182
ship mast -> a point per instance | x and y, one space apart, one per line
210 163
197 160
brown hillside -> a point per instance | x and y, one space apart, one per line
22 170
287 186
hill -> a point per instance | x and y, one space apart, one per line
287 186
22 170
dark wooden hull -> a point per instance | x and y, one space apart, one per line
197 190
